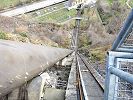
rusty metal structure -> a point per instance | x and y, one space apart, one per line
20 62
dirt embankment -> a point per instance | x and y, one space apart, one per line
113 15
104 24
46 32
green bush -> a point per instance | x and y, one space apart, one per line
3 36
98 54
23 34
84 41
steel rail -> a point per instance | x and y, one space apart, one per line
93 71
82 90
122 74
82 81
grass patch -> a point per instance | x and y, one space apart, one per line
12 3
121 1
110 1
8 3
58 16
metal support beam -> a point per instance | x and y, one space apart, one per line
112 72
117 60
77 35
77 26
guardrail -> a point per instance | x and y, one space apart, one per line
121 74
126 29
119 67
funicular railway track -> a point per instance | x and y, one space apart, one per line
90 82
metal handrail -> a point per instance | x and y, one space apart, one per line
121 74
123 33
